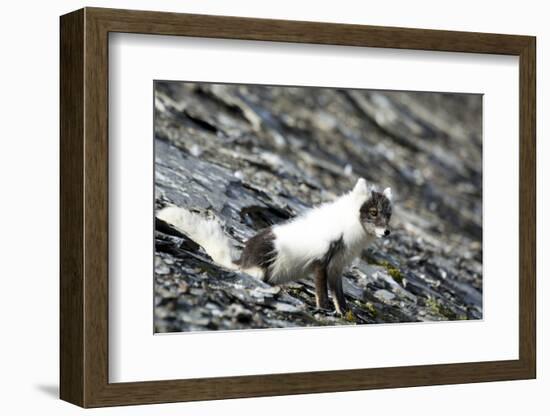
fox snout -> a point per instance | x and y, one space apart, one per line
382 231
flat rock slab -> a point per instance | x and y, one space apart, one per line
255 156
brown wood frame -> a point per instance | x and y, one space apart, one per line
84 208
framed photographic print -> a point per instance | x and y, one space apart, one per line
256 207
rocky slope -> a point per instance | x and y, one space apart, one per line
255 156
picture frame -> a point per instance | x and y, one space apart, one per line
84 216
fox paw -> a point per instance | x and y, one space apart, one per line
326 311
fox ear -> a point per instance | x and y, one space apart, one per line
361 188
387 193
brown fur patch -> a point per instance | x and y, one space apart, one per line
259 251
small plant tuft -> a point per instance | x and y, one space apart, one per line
350 317
437 308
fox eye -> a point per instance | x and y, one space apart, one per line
373 212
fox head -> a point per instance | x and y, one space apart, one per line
376 208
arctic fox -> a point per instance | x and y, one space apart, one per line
322 241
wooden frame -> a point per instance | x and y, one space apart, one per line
84 207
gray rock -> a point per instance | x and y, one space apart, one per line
255 156
384 295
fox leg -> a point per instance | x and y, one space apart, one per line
321 288
337 290
333 267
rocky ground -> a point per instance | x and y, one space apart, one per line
255 156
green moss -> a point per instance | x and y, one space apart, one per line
350 317
433 305
396 274
367 307
294 291
372 310
437 308
393 271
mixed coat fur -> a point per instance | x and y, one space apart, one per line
322 242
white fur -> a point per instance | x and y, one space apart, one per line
207 233
298 242
301 241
